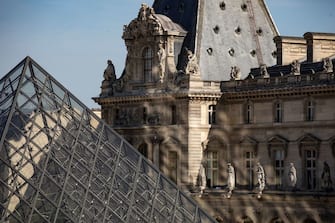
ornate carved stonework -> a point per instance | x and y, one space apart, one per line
192 67
145 25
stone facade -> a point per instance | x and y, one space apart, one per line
274 115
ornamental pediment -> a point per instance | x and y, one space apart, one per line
145 24
148 23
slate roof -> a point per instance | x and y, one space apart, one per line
224 33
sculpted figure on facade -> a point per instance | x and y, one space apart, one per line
161 60
202 179
261 179
292 176
231 180
235 73
326 183
192 67
295 67
327 65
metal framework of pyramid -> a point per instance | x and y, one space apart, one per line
60 163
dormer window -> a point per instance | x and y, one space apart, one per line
147 64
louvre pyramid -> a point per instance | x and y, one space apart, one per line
60 163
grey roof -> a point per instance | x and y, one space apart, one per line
168 24
224 33
306 68
60 163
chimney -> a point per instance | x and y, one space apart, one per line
319 46
290 49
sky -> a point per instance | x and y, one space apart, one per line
73 39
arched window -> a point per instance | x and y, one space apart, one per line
147 64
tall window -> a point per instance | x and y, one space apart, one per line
173 115
278 110
147 64
173 165
249 165
212 114
212 170
310 168
143 149
116 114
310 111
144 115
248 113
279 167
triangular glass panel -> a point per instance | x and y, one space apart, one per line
60 163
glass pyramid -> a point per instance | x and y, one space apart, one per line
60 163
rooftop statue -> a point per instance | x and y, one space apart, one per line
109 73
327 65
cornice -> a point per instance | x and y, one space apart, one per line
280 92
202 96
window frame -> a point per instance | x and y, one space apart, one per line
278 112
310 111
212 114
212 173
249 113
147 57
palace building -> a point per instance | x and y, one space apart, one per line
212 83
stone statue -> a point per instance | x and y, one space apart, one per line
292 176
263 71
145 12
192 67
261 178
326 183
109 73
327 65
235 73
161 59
109 78
295 67
202 179
231 180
